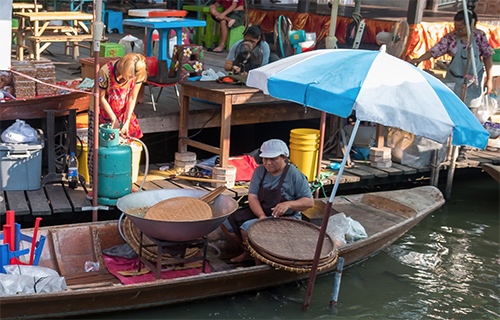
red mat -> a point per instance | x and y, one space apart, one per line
115 264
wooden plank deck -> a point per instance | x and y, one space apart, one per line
56 200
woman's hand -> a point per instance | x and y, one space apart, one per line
220 16
124 129
115 124
415 61
280 209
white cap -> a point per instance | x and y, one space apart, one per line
273 148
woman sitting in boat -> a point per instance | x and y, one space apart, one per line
119 82
277 189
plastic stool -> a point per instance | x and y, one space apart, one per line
234 35
113 20
15 25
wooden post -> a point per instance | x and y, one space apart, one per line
303 6
416 11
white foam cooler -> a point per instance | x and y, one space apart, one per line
21 166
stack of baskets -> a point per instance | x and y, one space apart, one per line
289 244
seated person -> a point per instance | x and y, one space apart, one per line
231 17
247 54
277 189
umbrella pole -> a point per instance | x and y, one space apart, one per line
97 28
331 40
322 130
324 222
463 96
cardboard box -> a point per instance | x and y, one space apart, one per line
88 66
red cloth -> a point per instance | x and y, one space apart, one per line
115 264
245 166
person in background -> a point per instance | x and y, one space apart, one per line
119 82
231 17
241 52
456 44
277 189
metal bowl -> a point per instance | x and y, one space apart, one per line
135 205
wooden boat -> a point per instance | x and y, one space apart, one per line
386 216
492 170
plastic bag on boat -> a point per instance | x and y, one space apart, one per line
19 132
30 279
343 229
484 107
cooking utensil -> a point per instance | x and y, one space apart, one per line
135 206
210 197
180 209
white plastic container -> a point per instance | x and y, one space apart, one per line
21 166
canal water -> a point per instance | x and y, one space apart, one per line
447 267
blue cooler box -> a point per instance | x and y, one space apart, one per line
21 166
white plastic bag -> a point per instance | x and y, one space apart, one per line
343 229
132 44
484 107
20 132
30 279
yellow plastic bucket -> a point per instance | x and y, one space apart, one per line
83 168
304 145
136 159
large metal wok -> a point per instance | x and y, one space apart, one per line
135 205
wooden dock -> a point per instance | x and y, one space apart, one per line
56 202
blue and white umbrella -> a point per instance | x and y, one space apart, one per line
379 87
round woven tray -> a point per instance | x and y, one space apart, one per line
298 269
289 241
133 235
180 209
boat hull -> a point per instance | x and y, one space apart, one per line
103 295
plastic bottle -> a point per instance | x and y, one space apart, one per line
72 171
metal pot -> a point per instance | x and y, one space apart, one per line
135 205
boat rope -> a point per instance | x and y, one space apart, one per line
318 183
48 84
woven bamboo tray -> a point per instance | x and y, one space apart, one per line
180 209
289 242
298 269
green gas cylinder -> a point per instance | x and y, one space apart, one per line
115 166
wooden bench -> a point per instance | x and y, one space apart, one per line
20 35
72 41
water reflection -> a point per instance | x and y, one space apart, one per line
447 267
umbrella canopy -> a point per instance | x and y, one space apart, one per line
379 87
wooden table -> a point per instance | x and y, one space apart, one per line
36 29
25 6
154 13
164 26
225 94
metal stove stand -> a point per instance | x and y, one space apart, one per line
175 249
